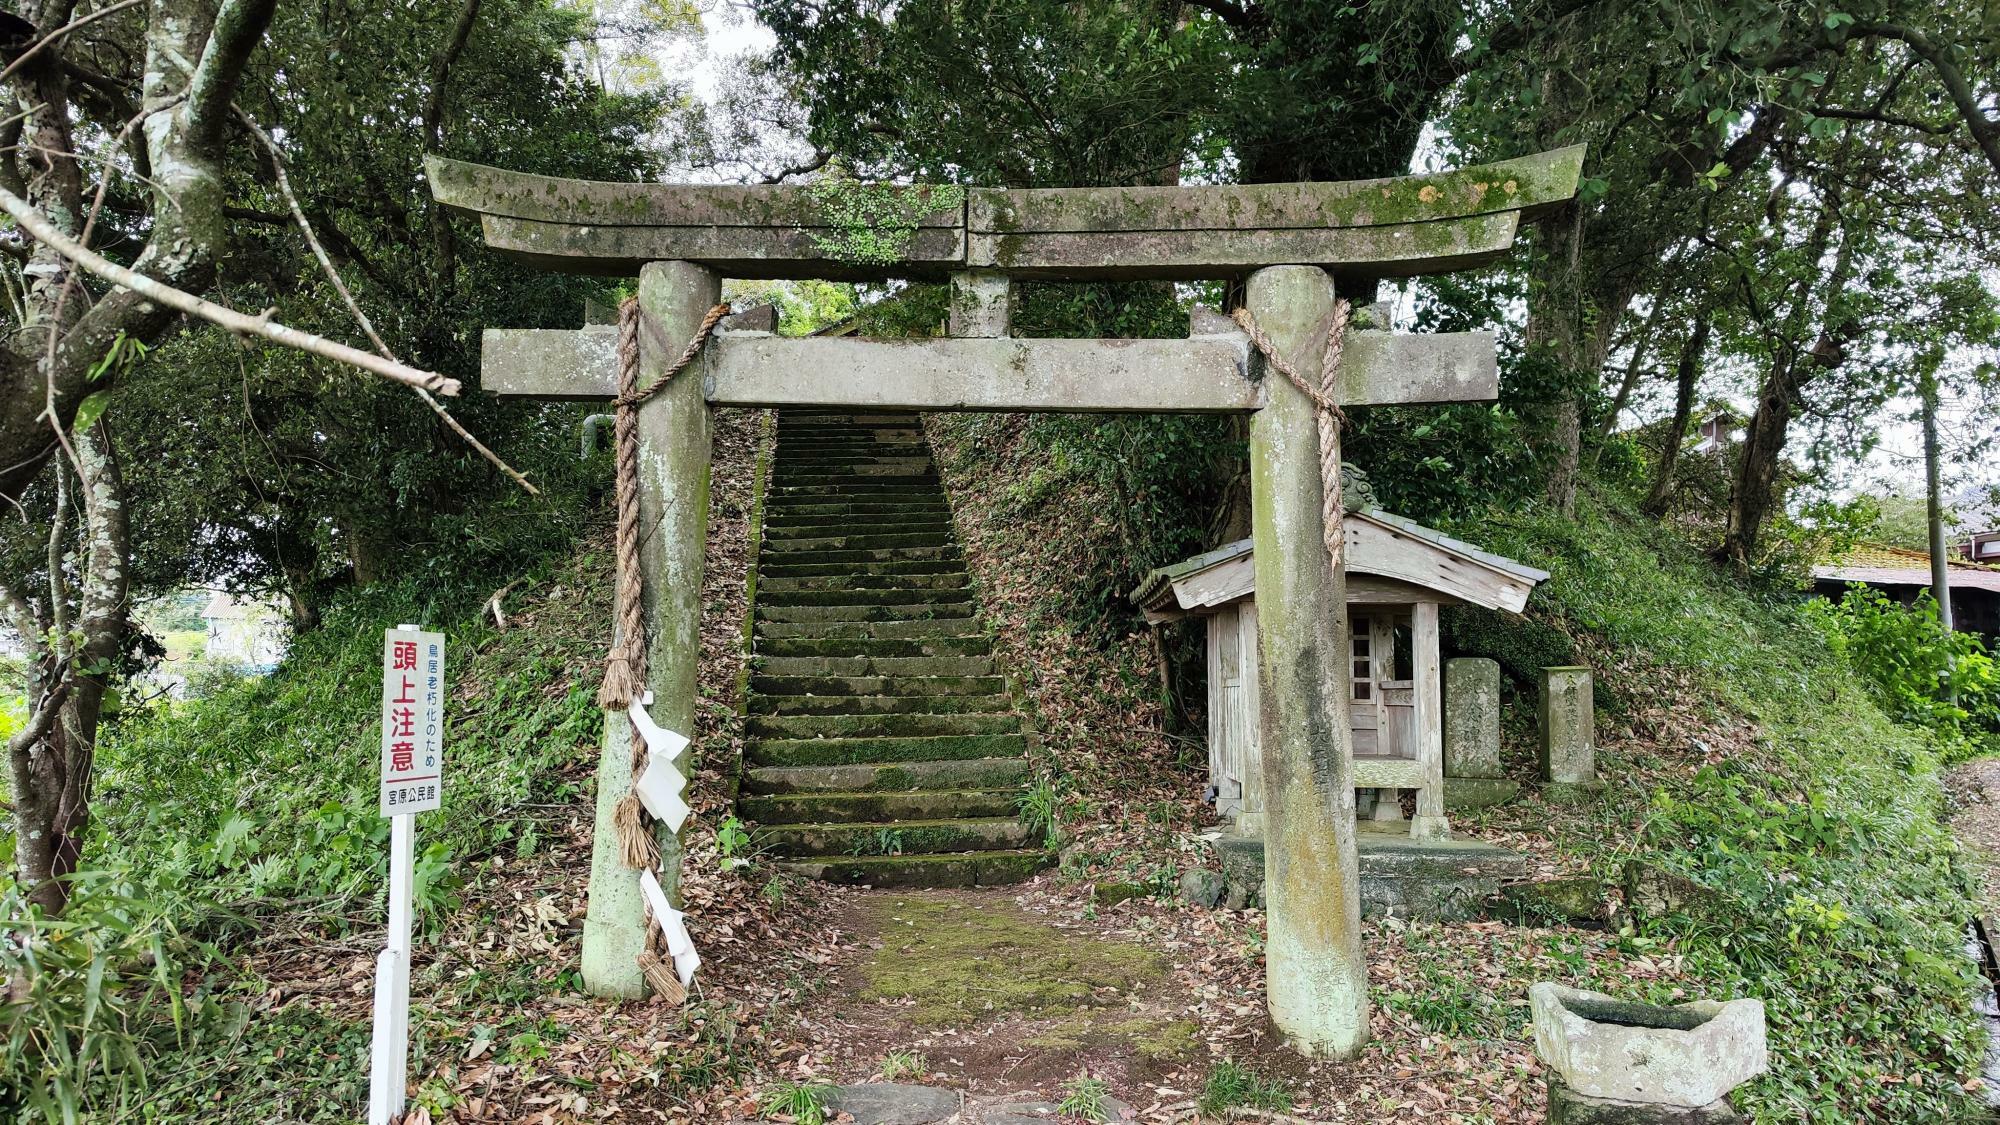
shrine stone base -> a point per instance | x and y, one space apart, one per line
1567 1107
1429 880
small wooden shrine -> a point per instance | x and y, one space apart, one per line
1399 573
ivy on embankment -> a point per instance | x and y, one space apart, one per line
1837 897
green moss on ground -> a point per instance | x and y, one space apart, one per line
958 960
1148 1037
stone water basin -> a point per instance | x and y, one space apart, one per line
1619 1050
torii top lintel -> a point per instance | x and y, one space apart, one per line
1397 227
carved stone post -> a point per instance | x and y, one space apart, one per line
1315 978
674 447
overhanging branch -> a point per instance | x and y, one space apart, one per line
38 225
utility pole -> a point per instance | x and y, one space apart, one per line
1927 391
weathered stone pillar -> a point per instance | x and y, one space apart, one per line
674 446
1568 721
1472 717
980 304
1315 979
1473 775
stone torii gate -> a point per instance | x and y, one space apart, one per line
1291 243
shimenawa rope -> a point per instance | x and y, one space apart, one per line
625 670
1331 417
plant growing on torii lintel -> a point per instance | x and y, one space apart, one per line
874 224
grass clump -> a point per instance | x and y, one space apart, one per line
1231 1084
803 1102
898 1065
1084 1096
958 961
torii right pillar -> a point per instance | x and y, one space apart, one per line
1316 980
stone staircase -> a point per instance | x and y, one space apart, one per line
881 746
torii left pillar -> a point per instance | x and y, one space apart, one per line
675 440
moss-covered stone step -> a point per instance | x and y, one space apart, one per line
962 627
880 725
878 806
863 540
845 510
888 838
855 751
797 526
963 773
873 665
817 477
949 552
902 566
929 611
878 704
839 451
950 580
859 489
904 596
864 462
878 685
972 645
980 869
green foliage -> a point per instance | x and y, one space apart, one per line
265 791
1041 810
1230 1084
803 1102
898 1066
1822 840
1921 674
93 1004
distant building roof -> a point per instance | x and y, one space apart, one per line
1879 564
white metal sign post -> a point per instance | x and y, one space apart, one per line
412 769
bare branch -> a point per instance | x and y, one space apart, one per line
65 29
354 307
1882 119
1985 132
818 161
38 225
239 26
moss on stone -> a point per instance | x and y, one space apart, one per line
956 961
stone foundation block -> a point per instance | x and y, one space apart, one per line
1466 794
1567 1107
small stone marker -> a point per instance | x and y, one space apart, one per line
1472 717
1473 777
1568 721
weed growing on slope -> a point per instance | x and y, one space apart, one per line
1230 1084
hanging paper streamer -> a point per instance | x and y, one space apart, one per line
661 743
673 926
659 788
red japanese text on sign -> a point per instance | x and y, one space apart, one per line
412 720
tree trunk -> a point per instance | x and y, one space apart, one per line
52 756
1686 375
